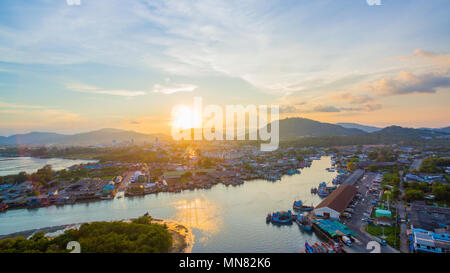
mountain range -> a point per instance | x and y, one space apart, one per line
290 129
100 137
365 128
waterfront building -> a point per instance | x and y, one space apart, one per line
336 203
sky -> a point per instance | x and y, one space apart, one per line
67 67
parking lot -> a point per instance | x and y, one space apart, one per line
367 193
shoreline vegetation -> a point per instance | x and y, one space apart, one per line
168 236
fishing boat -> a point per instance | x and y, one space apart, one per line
308 248
329 248
306 208
303 223
268 218
323 193
313 190
282 217
297 205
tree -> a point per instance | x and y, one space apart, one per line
396 192
98 237
441 192
21 177
373 155
43 175
351 166
412 195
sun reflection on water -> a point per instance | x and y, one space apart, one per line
199 213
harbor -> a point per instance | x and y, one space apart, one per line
222 219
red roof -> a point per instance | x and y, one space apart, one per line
339 199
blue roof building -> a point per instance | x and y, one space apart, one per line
430 242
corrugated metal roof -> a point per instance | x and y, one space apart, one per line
339 199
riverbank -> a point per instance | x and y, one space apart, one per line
183 238
223 219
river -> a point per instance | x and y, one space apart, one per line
14 165
223 219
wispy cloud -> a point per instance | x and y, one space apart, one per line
97 90
173 88
325 108
19 106
350 97
441 59
270 45
321 108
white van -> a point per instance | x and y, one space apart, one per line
346 240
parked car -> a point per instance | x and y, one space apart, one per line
346 240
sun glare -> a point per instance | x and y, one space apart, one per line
184 118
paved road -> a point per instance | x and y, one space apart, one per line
401 209
404 240
363 206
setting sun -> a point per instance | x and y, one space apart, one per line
184 117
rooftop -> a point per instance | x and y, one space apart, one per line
429 217
339 199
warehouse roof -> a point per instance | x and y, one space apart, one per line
339 199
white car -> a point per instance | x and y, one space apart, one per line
346 240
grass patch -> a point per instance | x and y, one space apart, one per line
392 234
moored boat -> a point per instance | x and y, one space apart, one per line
303 223
282 217
297 204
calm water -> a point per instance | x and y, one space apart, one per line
14 165
223 219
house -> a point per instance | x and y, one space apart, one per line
335 204
430 242
429 217
383 221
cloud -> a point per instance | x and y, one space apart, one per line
270 46
350 97
96 90
290 109
320 108
372 107
326 109
442 59
173 88
22 117
406 83
19 106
